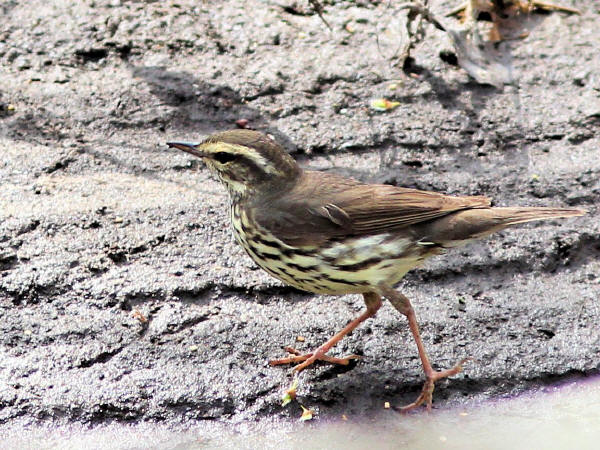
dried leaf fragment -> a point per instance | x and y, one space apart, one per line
307 414
383 104
137 314
290 394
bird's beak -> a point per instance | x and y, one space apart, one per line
188 147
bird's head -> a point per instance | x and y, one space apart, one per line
245 161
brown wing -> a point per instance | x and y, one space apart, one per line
325 206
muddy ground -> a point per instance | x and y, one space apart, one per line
123 295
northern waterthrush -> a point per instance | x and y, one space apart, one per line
327 234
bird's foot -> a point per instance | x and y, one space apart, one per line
426 395
373 302
307 359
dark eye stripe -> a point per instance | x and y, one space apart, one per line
250 167
224 157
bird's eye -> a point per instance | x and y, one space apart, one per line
224 157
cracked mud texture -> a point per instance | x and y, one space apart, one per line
122 293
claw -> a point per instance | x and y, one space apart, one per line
426 395
297 357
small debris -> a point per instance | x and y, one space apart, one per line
137 314
290 394
193 348
382 104
316 4
300 338
386 405
307 414
242 123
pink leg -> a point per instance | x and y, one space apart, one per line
402 304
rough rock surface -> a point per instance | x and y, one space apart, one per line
122 294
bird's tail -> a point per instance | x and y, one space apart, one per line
462 226
512 216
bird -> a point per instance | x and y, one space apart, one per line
328 234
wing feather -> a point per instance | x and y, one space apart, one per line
329 206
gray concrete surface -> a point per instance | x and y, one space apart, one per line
100 223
